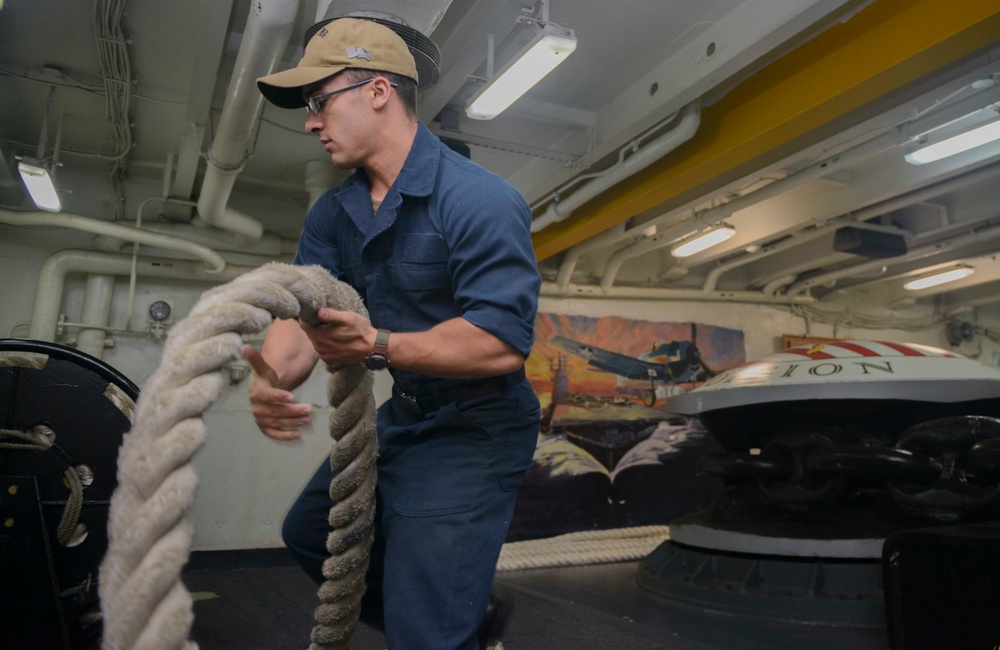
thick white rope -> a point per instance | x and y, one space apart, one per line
587 547
144 603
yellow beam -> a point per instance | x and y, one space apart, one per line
828 83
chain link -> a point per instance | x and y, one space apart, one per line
945 469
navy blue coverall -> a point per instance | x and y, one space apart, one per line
449 240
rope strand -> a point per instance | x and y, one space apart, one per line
145 604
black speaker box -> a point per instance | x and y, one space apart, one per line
868 243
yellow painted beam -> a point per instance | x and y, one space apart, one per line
828 83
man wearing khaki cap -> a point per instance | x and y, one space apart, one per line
440 251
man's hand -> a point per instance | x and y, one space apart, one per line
343 339
275 410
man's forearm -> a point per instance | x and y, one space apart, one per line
289 352
455 349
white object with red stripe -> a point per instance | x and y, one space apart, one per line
846 370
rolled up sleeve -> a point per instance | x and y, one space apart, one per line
492 261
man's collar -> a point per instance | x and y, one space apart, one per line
419 172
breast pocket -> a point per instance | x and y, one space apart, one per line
423 265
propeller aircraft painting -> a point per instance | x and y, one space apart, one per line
607 451
674 362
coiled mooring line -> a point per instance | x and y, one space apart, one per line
144 603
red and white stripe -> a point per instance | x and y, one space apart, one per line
849 349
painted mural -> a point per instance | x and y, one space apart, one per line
609 455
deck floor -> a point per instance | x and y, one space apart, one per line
575 608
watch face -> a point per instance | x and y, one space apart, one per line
376 362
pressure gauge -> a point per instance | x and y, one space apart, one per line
159 311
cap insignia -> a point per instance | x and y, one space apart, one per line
358 53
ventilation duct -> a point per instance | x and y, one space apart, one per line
412 20
268 30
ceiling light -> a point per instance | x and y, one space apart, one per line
547 49
938 278
955 144
37 179
703 241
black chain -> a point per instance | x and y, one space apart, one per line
945 469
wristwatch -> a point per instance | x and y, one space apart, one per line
379 358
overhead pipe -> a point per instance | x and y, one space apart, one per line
926 193
96 309
573 255
267 244
776 285
647 155
213 263
795 239
270 244
856 219
552 290
319 178
911 198
51 279
715 216
268 31
922 252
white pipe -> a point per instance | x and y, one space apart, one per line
552 290
51 278
772 287
96 311
857 219
319 178
888 140
573 255
268 30
684 131
907 130
212 204
929 192
715 216
796 239
97 304
270 244
930 250
213 263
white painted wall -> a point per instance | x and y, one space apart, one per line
248 481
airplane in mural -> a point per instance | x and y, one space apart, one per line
675 362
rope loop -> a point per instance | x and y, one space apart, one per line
145 604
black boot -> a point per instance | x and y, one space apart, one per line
495 620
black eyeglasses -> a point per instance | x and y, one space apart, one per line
315 103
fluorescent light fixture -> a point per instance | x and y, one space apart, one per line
955 144
701 242
39 183
547 50
938 278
